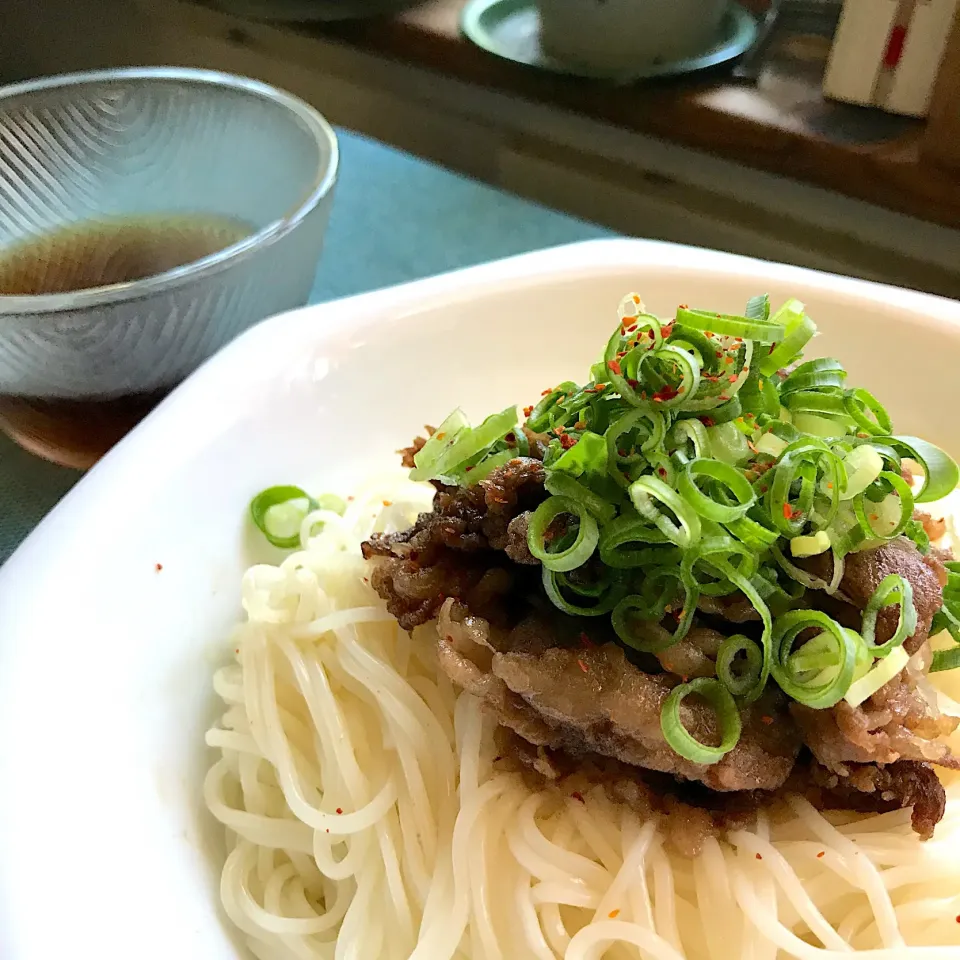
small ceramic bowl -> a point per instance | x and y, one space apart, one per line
614 36
123 146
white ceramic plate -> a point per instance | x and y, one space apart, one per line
105 661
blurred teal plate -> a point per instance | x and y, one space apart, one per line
511 29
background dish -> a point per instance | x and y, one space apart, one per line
511 29
106 660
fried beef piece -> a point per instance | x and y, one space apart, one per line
869 788
448 551
897 722
593 700
862 574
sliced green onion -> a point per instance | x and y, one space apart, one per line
647 492
587 456
867 411
542 416
431 453
636 618
877 677
565 486
810 546
470 442
771 445
818 692
680 360
604 603
758 307
730 480
892 589
729 325
728 716
892 513
945 660
629 529
799 329
487 465
863 465
752 534
824 374
739 678
278 513
579 552
940 472
617 437
727 443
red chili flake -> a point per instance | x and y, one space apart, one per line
719 354
621 453
158 567
666 392
547 392
559 431
631 328
236 650
684 306
528 410
708 421
732 378
339 809
614 366
328 829
511 437
873 516
723 396
468 469
773 346
580 425
958 918
583 666
745 370
440 436
767 720
684 677
666 331
759 857
651 334
613 914
633 383
708 334
738 339
763 489
350 499
566 441
497 759
388 503
577 795
823 853
662 471
728 359
635 299
787 512
586 642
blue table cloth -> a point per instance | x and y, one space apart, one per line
395 218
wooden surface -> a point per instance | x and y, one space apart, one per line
781 124
942 138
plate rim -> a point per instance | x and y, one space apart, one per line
744 35
318 323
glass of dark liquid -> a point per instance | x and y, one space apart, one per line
86 256
147 217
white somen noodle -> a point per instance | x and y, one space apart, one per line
365 818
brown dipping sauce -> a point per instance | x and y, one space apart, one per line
83 256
